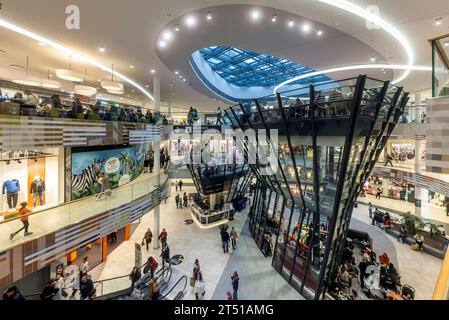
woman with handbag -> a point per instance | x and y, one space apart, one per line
148 237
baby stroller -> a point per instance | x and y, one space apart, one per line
407 292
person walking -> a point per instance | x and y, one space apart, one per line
84 268
176 185
378 193
23 213
370 210
150 266
151 162
50 291
389 160
225 240
178 202
148 237
235 285
180 185
134 276
200 286
163 236
234 235
165 254
185 199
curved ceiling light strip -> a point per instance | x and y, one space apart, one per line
356 67
369 16
39 38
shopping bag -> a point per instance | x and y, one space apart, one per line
192 282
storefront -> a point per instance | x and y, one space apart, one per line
34 177
404 150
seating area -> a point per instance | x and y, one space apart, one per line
364 274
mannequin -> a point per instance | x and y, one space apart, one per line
12 188
37 188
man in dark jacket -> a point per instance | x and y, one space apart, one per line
362 267
86 288
165 254
50 290
12 294
225 240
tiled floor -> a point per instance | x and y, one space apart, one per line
417 269
258 279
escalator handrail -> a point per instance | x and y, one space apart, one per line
174 286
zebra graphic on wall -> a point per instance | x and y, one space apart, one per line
82 182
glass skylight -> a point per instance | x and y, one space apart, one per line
253 69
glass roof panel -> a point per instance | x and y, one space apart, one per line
252 69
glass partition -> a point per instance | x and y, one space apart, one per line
440 65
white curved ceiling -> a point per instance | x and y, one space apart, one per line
129 30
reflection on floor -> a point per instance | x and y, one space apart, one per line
258 280
417 269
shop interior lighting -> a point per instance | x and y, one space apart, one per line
70 52
85 90
382 23
112 85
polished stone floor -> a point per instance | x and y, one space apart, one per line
258 280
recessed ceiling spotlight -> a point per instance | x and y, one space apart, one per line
42 44
133 90
167 35
177 28
99 80
306 27
190 21
128 96
176 72
274 18
180 77
438 21
184 79
172 93
373 59
147 86
209 15
319 33
446 44
255 14
291 23
131 67
50 75
153 71
102 49
172 85
121 98
162 44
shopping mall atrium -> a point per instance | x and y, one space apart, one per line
224 150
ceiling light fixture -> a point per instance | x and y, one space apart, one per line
27 80
167 35
379 21
209 15
112 85
131 67
446 44
274 18
373 59
153 71
102 49
349 68
439 21
42 44
85 90
291 23
50 84
177 28
255 14
162 44
68 51
147 86
190 21
176 72
69 74
319 33
306 27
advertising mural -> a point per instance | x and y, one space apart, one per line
119 167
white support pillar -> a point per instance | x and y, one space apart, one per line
169 146
418 193
157 157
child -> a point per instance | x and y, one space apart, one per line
229 295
